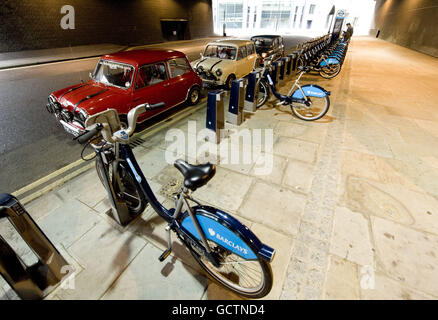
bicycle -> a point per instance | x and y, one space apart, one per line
309 102
225 248
328 64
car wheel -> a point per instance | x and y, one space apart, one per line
193 96
229 81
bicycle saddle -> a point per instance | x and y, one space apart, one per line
195 176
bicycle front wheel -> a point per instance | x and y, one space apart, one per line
330 71
263 94
317 109
127 188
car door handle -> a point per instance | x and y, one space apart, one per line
166 84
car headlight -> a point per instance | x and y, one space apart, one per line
83 115
218 72
200 69
264 54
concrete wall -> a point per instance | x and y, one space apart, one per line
409 23
35 24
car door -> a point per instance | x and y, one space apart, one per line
151 86
242 62
252 55
179 70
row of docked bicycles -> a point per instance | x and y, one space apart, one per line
308 102
323 56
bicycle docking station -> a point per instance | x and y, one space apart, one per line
38 280
283 66
289 62
275 74
252 89
215 112
294 60
237 102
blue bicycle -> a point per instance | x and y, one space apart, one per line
228 250
308 102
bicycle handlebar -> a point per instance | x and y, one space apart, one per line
89 134
137 111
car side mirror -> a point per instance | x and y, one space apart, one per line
202 56
90 75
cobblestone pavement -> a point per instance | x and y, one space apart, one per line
350 204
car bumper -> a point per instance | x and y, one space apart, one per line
71 126
206 83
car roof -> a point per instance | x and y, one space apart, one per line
143 56
236 42
266 36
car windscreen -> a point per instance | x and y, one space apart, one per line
263 42
220 51
113 73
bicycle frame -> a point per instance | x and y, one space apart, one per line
174 216
287 98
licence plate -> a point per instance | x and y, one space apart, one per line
70 129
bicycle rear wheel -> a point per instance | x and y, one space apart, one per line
250 277
317 109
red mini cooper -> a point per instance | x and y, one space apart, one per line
124 80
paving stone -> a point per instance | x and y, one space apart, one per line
314 134
407 255
284 207
151 161
351 238
298 176
226 190
148 279
104 252
44 205
368 198
283 248
215 291
342 280
86 187
388 289
296 149
270 168
67 224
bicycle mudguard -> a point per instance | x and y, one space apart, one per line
310 90
329 61
228 232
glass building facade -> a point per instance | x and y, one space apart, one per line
310 17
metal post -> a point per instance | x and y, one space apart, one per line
237 101
215 112
252 90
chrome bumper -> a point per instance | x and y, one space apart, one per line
71 128
210 83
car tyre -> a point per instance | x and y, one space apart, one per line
193 96
229 81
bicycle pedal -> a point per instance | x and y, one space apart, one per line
164 255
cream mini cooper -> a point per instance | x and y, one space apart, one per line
224 61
